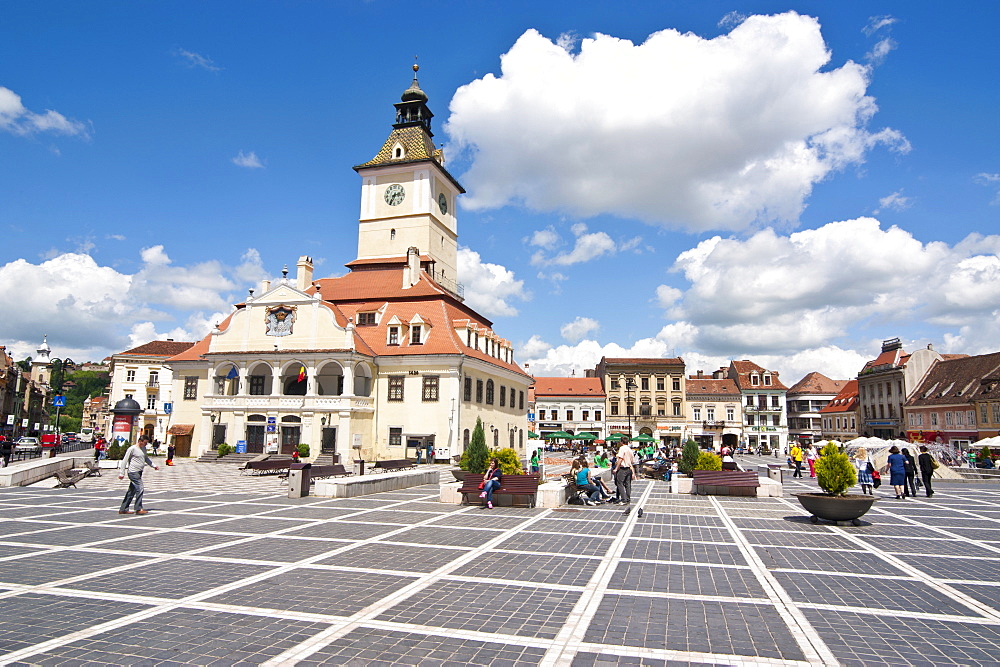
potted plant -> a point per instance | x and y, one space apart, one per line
835 476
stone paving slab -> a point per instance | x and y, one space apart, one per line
228 570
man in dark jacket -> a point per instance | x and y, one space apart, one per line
926 463
6 449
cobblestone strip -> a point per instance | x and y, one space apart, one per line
367 615
565 645
935 583
813 647
158 605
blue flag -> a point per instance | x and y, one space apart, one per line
233 373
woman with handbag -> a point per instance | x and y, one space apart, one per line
491 482
897 471
865 468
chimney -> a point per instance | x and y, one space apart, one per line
304 277
411 274
701 375
265 285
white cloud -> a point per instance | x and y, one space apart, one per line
489 288
575 331
17 119
95 310
992 181
248 160
732 19
587 246
192 59
777 295
876 23
893 202
681 131
879 52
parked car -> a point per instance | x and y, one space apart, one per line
27 445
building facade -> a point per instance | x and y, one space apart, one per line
763 394
840 416
574 405
945 406
715 411
645 396
142 374
373 364
805 401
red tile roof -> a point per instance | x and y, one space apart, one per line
708 386
816 383
571 386
960 380
158 348
846 401
743 369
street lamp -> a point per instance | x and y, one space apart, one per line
629 386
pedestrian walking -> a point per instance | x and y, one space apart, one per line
909 485
170 453
927 466
6 450
156 447
897 471
811 459
796 456
535 458
865 468
133 463
623 471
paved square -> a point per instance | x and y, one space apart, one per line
231 571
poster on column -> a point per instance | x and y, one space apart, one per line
271 443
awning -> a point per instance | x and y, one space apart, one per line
181 429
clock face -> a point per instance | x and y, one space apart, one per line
443 203
394 194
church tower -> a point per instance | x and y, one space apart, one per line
408 198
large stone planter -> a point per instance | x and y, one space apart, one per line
841 509
459 475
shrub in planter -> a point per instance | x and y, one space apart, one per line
475 458
510 462
116 452
689 458
708 461
303 449
224 449
834 471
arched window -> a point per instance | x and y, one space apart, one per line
496 439
465 438
520 438
512 438
489 392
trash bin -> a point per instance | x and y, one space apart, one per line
359 467
298 480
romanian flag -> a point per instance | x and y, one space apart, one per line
302 374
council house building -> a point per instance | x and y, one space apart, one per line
376 363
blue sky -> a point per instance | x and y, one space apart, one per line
785 182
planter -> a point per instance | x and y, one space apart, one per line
836 508
459 475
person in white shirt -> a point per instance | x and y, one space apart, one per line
624 465
133 463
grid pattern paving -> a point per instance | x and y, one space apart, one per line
226 573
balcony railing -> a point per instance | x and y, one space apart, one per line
293 402
152 383
713 424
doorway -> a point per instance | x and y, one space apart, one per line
329 442
255 438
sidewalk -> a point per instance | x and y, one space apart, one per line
218 575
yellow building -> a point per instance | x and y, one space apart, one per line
379 362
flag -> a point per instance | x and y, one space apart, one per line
302 374
233 373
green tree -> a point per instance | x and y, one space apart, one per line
475 458
689 458
834 472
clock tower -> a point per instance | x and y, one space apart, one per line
408 198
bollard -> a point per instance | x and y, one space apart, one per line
298 480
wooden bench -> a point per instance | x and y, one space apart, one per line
394 465
322 472
265 467
734 482
512 485
93 469
68 478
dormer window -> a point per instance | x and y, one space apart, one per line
767 380
754 380
392 234
415 335
366 319
397 152
393 338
